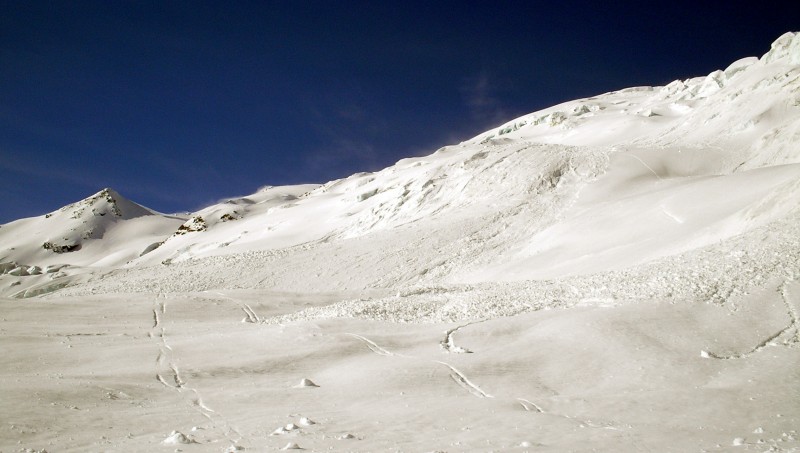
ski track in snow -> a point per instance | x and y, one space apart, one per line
530 406
371 345
249 313
463 381
792 310
791 341
449 345
457 376
672 216
645 165
166 365
252 317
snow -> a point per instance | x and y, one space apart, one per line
305 383
569 280
177 438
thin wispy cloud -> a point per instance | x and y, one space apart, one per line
34 170
341 155
349 133
479 93
352 112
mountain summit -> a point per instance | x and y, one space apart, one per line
103 229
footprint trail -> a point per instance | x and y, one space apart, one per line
168 374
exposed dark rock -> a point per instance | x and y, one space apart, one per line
66 248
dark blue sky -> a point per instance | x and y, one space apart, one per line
179 104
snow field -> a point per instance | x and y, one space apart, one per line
581 378
714 274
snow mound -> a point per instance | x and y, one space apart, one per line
305 421
289 428
177 438
306 383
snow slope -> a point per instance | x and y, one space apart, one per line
104 229
591 165
604 183
88 232
594 184
567 281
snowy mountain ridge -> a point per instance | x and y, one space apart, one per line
596 184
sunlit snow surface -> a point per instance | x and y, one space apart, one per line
616 273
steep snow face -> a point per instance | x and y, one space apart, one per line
750 110
692 163
604 182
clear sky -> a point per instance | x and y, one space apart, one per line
179 104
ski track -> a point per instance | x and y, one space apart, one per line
672 216
792 310
457 376
449 345
371 345
794 325
530 406
167 366
645 165
463 381
250 315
